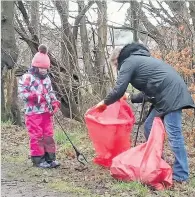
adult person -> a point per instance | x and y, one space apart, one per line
166 89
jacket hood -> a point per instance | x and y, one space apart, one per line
132 49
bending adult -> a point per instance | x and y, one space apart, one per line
166 89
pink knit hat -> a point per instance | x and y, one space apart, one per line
41 59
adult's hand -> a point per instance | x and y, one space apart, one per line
101 106
125 96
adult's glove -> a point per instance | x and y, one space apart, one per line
125 96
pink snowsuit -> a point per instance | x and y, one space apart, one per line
36 94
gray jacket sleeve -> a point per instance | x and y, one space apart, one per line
126 72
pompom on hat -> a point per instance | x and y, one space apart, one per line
41 59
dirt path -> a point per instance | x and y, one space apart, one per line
13 187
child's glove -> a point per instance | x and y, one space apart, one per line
101 106
36 98
55 106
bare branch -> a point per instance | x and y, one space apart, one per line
131 28
178 8
122 1
167 13
27 21
25 16
35 15
151 28
61 5
156 11
79 17
20 24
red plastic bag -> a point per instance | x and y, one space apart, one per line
144 163
110 131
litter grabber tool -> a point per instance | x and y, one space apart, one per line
80 157
140 120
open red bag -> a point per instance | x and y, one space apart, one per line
144 163
110 131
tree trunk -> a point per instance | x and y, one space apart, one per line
9 55
3 109
12 109
9 51
70 80
134 18
100 49
87 59
35 16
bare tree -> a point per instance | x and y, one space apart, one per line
9 54
176 28
99 49
35 16
134 19
87 58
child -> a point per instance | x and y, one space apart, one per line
35 89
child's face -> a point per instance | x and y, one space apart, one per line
43 71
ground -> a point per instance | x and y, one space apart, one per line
19 178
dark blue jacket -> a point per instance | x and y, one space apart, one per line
155 78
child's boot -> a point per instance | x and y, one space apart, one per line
39 161
44 165
51 159
54 164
